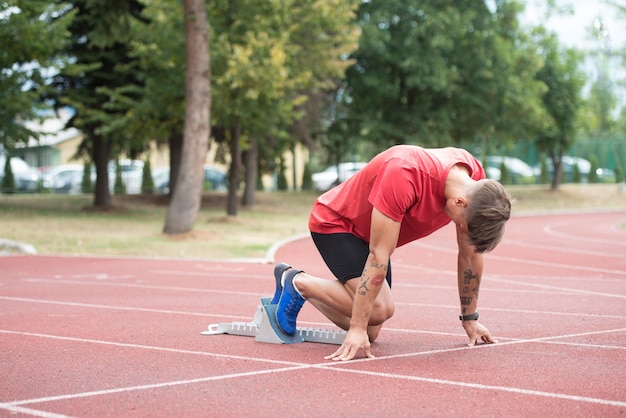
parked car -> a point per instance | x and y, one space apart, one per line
584 167
215 178
26 177
334 175
132 175
64 178
520 172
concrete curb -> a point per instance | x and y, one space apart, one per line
15 246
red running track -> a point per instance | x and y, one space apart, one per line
112 337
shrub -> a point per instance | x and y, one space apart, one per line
147 182
86 185
8 181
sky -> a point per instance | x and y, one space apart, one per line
574 30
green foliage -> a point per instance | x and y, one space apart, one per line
282 177
154 108
147 182
619 176
505 174
544 174
593 175
8 181
86 185
31 36
428 72
119 187
576 174
307 181
562 75
101 64
268 56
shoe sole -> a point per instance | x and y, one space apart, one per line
279 270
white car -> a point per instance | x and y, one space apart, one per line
132 175
64 178
519 171
26 177
334 175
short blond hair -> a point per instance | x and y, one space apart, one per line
488 209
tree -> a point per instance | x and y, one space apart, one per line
147 182
155 109
101 34
31 37
8 180
562 75
438 73
86 185
268 58
185 202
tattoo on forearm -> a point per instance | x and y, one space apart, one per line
466 300
363 287
468 276
377 280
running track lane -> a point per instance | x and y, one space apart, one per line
92 336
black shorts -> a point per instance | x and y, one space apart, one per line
345 255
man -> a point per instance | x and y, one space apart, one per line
403 194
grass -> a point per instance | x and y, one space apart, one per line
61 224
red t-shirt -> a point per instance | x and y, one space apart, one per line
405 182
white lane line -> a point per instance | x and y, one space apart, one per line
567 267
438 274
120 308
156 385
516 311
239 317
550 229
562 249
148 347
558 288
324 366
29 411
146 286
258 294
481 386
212 274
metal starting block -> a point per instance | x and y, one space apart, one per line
265 329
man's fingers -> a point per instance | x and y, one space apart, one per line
335 354
345 353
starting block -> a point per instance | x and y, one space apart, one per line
265 329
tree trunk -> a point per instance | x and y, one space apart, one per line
252 173
557 173
101 156
294 171
185 203
176 150
233 175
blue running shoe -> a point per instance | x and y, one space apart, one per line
279 270
289 305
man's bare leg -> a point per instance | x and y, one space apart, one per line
334 300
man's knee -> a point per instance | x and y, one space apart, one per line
382 312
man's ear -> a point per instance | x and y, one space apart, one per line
460 201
